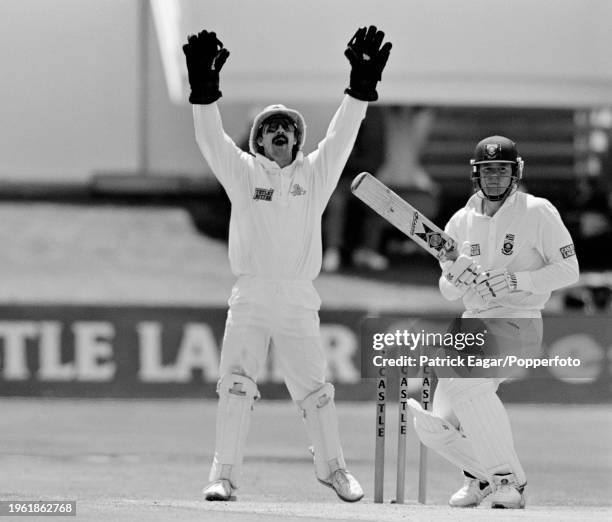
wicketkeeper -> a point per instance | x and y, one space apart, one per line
515 252
278 195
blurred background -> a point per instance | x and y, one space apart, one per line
113 260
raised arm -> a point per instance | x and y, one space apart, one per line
368 57
205 56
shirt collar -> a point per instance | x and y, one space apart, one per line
474 203
272 166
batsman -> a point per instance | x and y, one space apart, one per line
515 251
278 195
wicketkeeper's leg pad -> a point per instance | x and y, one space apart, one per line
485 423
441 436
320 418
237 394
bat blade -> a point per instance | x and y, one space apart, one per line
403 216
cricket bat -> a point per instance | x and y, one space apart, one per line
404 216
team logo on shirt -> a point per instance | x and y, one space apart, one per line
475 249
568 251
297 190
265 194
508 244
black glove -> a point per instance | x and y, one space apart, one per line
205 55
368 59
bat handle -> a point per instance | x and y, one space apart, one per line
450 256
449 252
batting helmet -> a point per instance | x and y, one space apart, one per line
496 149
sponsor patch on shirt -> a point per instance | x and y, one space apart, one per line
568 251
475 249
508 244
265 194
297 190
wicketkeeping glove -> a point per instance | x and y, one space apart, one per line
205 56
495 283
367 59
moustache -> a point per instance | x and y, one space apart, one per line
280 139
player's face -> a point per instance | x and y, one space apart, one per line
495 178
278 138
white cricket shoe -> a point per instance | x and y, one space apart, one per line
368 258
219 490
470 495
331 260
345 485
507 493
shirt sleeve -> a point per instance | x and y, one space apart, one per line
331 155
449 291
557 249
225 159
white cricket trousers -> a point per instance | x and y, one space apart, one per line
279 313
523 332
472 405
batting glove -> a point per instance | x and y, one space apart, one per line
367 59
462 272
493 284
205 56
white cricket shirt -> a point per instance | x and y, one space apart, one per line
526 236
275 224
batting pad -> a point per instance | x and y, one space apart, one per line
237 394
446 440
485 423
319 412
